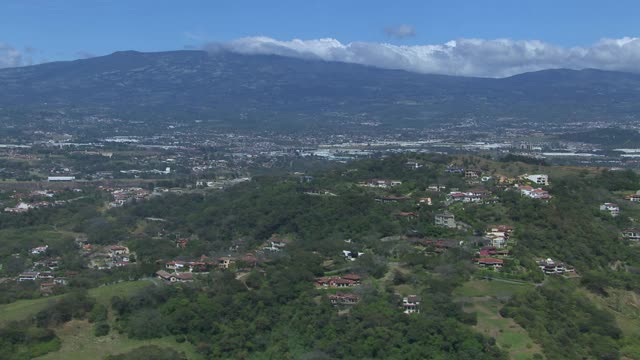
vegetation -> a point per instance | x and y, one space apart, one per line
567 324
271 308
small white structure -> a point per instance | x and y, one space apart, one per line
411 304
612 208
529 191
61 178
538 179
550 267
381 183
39 250
28 276
446 219
632 234
351 255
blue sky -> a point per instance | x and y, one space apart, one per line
62 28
44 30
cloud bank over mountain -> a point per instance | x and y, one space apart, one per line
467 57
10 56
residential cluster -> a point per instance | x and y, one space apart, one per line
122 196
551 267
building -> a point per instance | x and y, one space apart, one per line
28 276
612 208
39 250
529 191
61 178
413 165
424 201
225 262
407 215
411 304
489 262
381 183
498 235
469 196
277 244
117 250
353 277
451 169
19 208
538 179
436 188
472 174
632 234
344 299
445 219
175 277
634 197
187 266
550 267
336 282
351 255
391 199
46 275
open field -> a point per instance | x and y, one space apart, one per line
508 334
482 297
625 306
493 288
23 309
79 343
76 336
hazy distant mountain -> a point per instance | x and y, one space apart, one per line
280 90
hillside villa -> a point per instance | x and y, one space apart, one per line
551 267
537 179
489 262
529 191
445 219
612 208
343 299
174 277
411 304
632 234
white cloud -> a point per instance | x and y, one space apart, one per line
469 57
401 31
10 56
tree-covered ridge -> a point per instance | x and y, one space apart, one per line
271 308
566 323
281 315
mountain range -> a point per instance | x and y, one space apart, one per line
274 91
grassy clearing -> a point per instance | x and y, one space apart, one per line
482 297
103 294
23 309
79 343
625 306
493 288
508 334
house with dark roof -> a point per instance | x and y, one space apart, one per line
335 282
632 234
28 276
612 208
411 304
174 277
343 299
445 219
489 262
